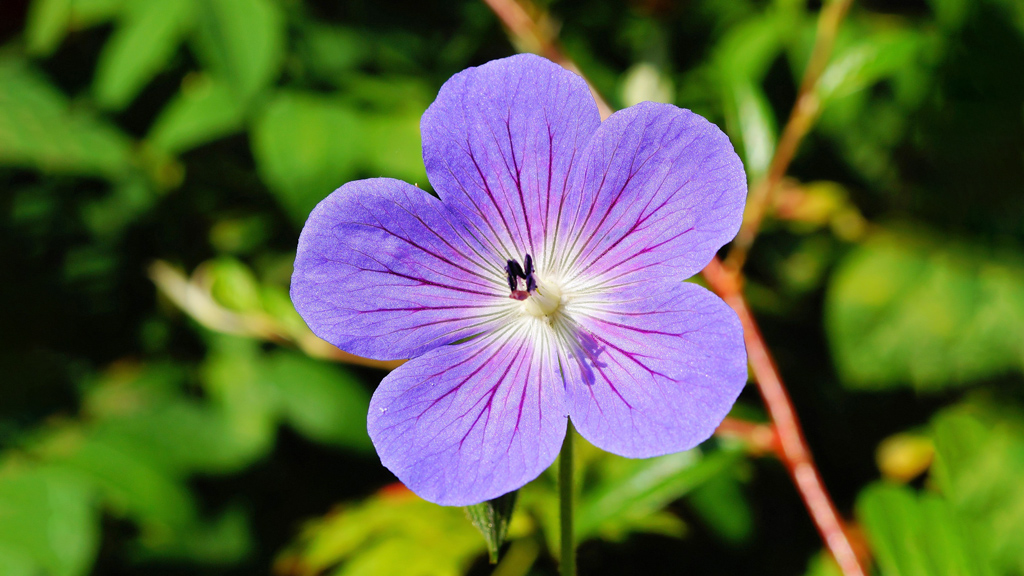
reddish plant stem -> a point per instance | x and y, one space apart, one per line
801 118
793 449
760 438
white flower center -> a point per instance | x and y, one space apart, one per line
544 301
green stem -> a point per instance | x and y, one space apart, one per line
565 493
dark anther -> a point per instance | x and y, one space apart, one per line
515 272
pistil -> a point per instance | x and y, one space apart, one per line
544 301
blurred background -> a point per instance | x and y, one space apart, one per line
164 411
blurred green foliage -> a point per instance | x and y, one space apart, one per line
201 429
904 308
970 518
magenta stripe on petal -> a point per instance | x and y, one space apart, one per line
663 190
384 270
466 423
656 370
499 143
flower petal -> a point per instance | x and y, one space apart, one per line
656 369
384 270
663 189
499 143
466 423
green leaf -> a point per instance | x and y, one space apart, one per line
864 63
234 285
720 502
916 534
645 82
739 62
392 146
241 235
179 437
979 463
278 304
634 490
749 48
492 519
748 114
47 23
255 391
139 483
233 377
241 41
48 520
322 401
392 532
14 562
141 441
333 52
38 129
1013 11
85 13
132 484
308 145
203 111
899 60
224 540
305 147
146 38
950 13
394 94
905 308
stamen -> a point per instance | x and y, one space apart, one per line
513 271
541 298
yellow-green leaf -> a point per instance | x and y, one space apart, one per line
909 309
203 111
146 37
47 23
241 41
40 130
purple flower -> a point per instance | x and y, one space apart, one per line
547 281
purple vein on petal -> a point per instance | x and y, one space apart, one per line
496 144
479 261
572 253
384 270
467 422
668 365
405 237
666 190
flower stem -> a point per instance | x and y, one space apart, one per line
565 497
